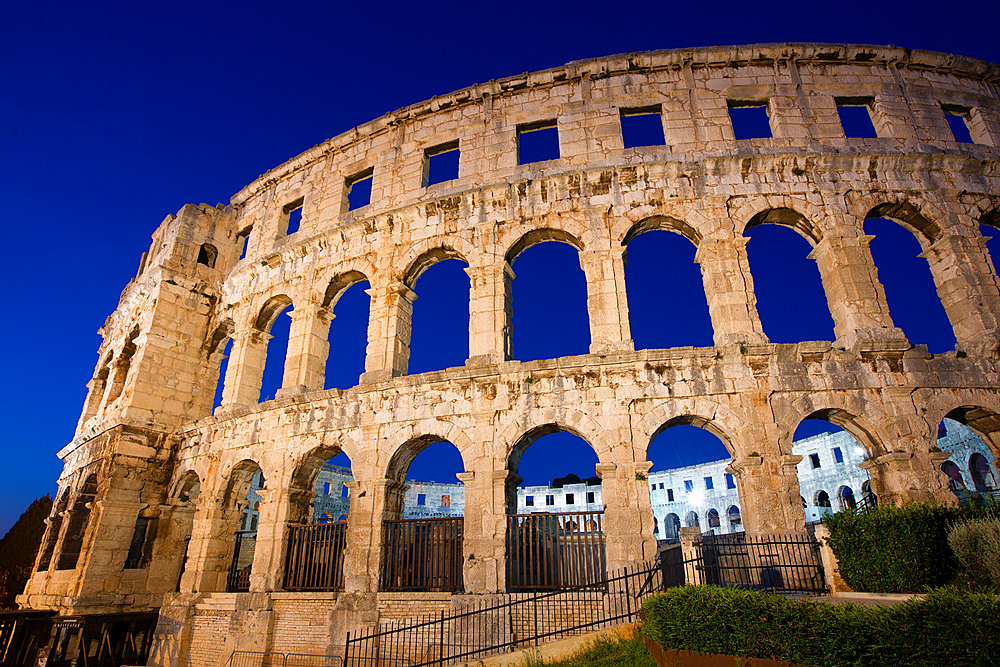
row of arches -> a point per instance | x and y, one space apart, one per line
668 303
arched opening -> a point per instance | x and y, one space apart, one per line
549 297
831 459
791 301
666 296
240 516
219 347
689 471
173 548
672 528
77 522
52 532
207 254
735 520
424 518
274 319
348 300
970 464
691 520
317 536
440 329
910 290
714 522
990 230
555 534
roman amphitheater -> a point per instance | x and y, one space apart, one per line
148 513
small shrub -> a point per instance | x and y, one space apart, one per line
946 628
897 549
976 545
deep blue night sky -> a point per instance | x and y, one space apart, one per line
115 115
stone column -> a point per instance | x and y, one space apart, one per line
504 487
389 324
268 570
308 348
628 530
484 531
967 287
607 303
854 294
689 537
372 502
769 494
732 305
245 372
210 549
898 477
489 313
106 545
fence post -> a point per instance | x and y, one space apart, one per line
831 570
691 554
441 644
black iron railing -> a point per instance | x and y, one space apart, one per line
505 622
552 551
315 559
275 659
422 555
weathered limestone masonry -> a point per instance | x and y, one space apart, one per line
149 448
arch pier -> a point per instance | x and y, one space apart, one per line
170 502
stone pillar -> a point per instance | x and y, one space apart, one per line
898 477
245 372
268 569
607 303
210 549
967 287
504 496
628 528
854 294
372 502
725 271
106 545
388 332
689 536
485 530
308 348
489 313
769 494
831 569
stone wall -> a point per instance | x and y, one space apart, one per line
148 446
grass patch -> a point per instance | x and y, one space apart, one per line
614 651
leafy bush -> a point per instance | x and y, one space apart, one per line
946 628
897 549
976 545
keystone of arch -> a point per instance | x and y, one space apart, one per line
520 237
417 258
624 230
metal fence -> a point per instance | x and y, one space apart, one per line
550 551
778 564
504 622
239 571
274 659
422 555
316 557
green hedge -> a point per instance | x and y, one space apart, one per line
897 549
946 628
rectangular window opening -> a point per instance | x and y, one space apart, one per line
856 117
958 120
814 459
445 501
730 482
642 126
529 501
838 456
135 559
570 500
709 484
661 485
590 497
359 189
421 499
550 500
344 491
688 485
749 119
293 215
243 239
441 163
537 142
670 495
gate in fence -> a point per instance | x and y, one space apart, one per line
422 555
315 559
552 551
